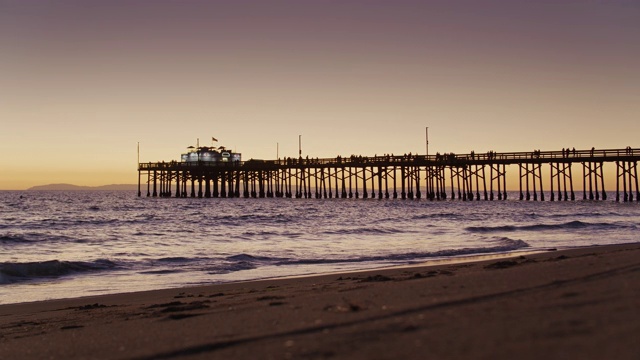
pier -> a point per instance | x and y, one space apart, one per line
466 177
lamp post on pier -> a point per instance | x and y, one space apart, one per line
139 193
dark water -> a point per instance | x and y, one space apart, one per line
66 244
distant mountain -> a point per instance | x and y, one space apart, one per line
70 187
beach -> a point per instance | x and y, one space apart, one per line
577 303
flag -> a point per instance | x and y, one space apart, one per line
213 139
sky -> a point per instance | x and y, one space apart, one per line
84 81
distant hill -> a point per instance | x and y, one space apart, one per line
70 187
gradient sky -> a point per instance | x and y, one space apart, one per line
82 82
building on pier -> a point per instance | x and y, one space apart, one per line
209 155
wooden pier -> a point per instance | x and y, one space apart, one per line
465 177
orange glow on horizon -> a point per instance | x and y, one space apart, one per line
83 84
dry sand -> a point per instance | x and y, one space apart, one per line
574 304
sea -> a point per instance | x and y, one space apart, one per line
61 244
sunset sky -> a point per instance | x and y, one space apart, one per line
83 81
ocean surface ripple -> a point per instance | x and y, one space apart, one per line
56 243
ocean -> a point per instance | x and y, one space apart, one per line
57 244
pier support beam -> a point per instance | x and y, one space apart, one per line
627 171
561 174
155 184
207 187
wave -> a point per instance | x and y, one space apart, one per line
177 259
26 238
362 231
162 271
593 214
239 262
171 265
415 256
13 238
250 258
258 233
437 216
258 218
576 224
246 261
231 267
12 272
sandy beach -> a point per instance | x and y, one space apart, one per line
580 303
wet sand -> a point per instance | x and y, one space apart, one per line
573 304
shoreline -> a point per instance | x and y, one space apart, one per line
458 259
558 304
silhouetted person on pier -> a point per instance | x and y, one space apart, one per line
593 150
574 151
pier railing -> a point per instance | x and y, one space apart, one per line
446 158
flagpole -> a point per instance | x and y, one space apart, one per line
427 137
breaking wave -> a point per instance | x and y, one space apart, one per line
571 225
364 230
246 261
12 272
27 238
